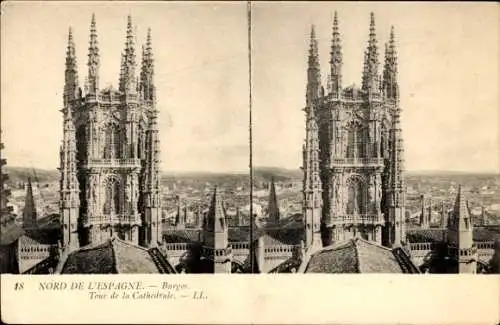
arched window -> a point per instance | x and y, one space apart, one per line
356 199
112 197
356 141
112 142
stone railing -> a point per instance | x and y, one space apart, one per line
174 247
358 161
114 220
370 219
110 162
240 246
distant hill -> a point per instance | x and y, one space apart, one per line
21 174
279 174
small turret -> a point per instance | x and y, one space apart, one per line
215 236
460 236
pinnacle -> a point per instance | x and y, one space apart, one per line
216 214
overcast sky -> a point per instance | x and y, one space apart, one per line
449 77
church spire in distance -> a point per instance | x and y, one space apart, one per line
273 208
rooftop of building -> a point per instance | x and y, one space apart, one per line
272 236
435 235
358 256
113 257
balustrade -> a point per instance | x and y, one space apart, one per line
361 218
358 161
111 162
114 220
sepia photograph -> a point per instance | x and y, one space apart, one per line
322 151
373 141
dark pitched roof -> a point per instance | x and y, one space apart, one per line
480 233
116 256
9 232
486 233
291 265
272 236
358 256
181 236
426 235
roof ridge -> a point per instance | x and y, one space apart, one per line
373 243
356 253
112 242
119 240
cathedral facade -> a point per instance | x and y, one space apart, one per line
353 153
109 166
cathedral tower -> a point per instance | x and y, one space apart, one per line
360 147
110 151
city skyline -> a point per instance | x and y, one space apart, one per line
203 79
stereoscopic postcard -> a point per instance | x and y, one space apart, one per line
250 162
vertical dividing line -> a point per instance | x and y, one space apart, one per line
250 165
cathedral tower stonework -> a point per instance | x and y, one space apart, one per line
360 150
110 151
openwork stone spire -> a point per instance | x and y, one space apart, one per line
336 60
71 72
128 79
313 71
390 75
148 89
94 60
370 71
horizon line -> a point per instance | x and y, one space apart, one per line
244 171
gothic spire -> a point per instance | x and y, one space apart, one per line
313 71
71 73
273 208
216 217
29 212
390 82
147 70
128 80
94 61
370 73
336 59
